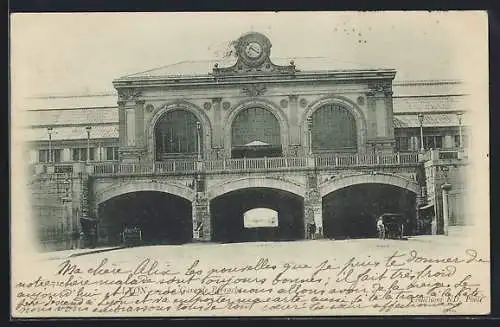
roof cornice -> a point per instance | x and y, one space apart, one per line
210 80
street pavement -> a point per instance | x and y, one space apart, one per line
457 237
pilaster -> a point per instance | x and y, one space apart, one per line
122 122
217 124
202 225
380 117
140 139
293 119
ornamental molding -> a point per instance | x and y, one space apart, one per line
248 65
254 90
379 87
128 94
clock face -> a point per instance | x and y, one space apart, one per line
253 50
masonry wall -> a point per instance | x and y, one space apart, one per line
454 172
291 103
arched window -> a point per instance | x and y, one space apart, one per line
333 129
255 132
176 135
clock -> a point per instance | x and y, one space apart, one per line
253 50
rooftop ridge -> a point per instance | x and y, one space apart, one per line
114 93
426 82
77 108
73 95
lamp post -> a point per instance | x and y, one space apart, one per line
49 131
88 129
309 134
459 116
421 120
198 137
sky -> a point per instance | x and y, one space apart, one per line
83 52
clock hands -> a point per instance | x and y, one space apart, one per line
252 49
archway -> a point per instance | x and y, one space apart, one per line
351 211
178 133
352 130
162 218
255 133
234 218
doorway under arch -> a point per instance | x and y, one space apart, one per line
163 218
232 220
352 211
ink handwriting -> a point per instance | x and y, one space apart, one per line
395 283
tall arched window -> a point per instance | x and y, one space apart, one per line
255 132
333 129
176 135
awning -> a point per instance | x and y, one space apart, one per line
257 143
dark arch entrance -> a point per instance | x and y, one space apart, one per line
228 211
255 133
333 129
351 212
163 218
177 134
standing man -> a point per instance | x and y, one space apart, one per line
380 228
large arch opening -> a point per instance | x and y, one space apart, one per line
333 129
351 212
255 133
177 134
234 218
163 218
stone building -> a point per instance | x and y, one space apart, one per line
186 151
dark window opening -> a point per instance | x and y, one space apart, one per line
402 144
43 155
112 153
80 154
255 133
177 134
333 129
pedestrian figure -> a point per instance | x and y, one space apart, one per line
93 236
312 230
380 228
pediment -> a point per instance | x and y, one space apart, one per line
253 52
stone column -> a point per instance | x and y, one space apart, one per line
313 208
446 210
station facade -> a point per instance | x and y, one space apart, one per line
190 148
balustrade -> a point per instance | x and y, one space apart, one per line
253 164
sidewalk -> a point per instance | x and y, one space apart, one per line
65 254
